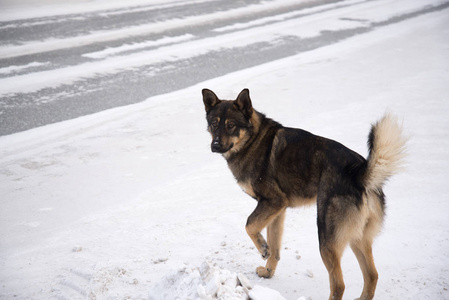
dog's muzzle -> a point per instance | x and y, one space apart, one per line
218 147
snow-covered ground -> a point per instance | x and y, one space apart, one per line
104 206
26 9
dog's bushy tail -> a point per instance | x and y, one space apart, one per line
386 144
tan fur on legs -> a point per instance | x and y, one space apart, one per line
274 236
331 257
362 249
362 246
261 217
364 254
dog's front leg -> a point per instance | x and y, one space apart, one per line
274 237
262 216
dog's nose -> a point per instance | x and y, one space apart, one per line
216 145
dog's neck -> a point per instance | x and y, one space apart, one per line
258 121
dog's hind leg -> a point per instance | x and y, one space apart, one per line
362 246
331 254
261 217
363 251
274 237
337 218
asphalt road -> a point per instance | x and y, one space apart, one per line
56 68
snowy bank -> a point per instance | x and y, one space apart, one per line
209 282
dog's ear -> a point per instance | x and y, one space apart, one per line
209 99
243 103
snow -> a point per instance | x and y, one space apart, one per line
138 30
29 9
134 46
112 205
205 282
13 69
285 16
209 282
264 293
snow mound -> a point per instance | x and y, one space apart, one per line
208 282
264 293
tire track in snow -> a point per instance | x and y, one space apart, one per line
80 20
310 26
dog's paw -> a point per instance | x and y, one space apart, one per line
266 253
264 272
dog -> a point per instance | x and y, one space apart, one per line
285 167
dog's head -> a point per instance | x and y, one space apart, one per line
230 122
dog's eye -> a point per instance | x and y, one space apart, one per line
231 126
214 124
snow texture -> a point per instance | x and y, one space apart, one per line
208 282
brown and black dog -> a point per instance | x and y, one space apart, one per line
284 167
